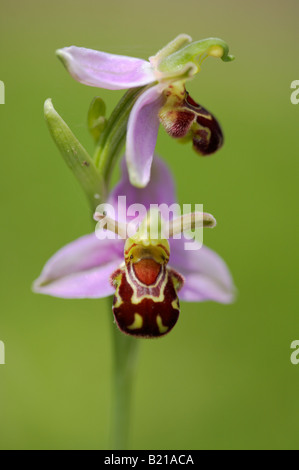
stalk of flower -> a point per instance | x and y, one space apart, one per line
162 99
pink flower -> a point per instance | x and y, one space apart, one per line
163 99
83 269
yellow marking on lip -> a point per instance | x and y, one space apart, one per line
117 283
175 304
137 323
118 301
161 327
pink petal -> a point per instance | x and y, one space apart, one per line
102 70
81 269
142 134
207 277
161 189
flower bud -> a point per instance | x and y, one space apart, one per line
96 117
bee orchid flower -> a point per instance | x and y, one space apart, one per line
145 276
163 97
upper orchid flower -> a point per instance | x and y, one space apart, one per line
163 97
143 274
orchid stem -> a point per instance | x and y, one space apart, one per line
112 138
125 358
125 348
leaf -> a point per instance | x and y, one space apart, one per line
76 157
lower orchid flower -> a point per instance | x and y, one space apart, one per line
163 98
145 275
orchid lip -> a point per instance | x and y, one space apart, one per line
83 268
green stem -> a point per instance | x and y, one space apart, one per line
125 358
125 347
113 137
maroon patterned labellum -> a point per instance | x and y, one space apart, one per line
146 303
206 133
184 117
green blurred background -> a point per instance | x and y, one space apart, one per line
223 378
